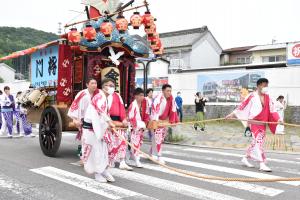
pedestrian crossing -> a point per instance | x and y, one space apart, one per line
166 182
238 155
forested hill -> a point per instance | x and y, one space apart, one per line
15 39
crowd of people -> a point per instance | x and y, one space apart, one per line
100 116
13 118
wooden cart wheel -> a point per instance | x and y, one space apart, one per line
50 130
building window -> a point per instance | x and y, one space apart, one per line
244 60
277 58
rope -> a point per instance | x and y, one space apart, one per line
196 175
232 119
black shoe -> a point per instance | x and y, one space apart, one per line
202 129
195 127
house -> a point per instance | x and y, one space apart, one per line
7 73
270 53
237 55
191 49
183 50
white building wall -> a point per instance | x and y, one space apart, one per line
158 69
205 54
6 73
283 81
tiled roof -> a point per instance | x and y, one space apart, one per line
182 38
269 47
237 49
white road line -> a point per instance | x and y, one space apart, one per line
22 190
227 170
172 186
228 161
238 155
103 189
267 191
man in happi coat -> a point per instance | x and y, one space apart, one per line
94 138
80 104
257 106
116 111
137 124
7 110
163 110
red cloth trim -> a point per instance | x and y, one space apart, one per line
64 82
117 108
168 113
145 116
246 102
75 104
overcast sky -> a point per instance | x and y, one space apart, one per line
232 22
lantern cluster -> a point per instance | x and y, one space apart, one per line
150 28
121 24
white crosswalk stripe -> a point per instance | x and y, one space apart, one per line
227 170
23 191
103 189
227 161
172 186
238 155
163 179
267 191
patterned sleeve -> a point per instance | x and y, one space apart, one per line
74 110
100 105
132 115
155 109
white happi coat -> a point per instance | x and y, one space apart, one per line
79 105
251 107
160 105
94 149
134 116
280 110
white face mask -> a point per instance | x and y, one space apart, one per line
110 90
179 95
265 90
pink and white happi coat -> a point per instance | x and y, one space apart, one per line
253 109
79 106
116 146
162 109
94 140
138 125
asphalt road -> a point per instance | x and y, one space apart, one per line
25 173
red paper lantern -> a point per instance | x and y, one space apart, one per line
152 39
136 20
106 28
156 46
121 24
151 30
74 36
89 33
148 19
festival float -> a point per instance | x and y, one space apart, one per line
103 48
